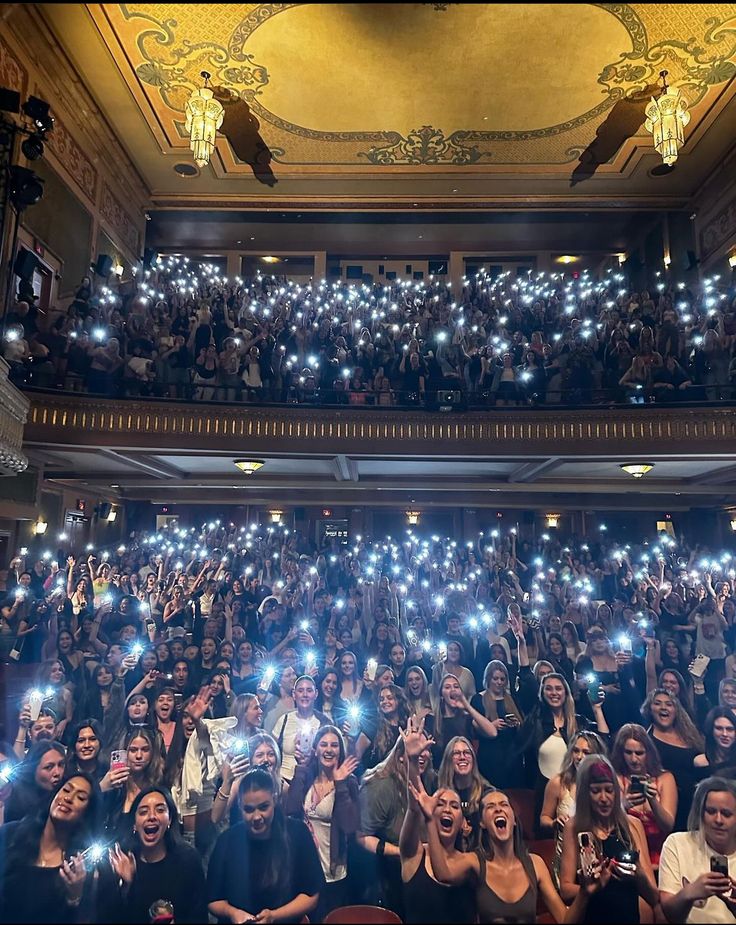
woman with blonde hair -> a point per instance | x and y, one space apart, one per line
678 743
619 842
455 716
559 794
417 696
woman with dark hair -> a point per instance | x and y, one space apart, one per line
37 778
328 699
619 842
649 793
452 663
98 697
324 791
455 716
719 756
557 655
181 678
505 879
86 744
267 867
377 738
43 874
153 865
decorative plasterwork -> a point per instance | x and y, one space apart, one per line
163 47
13 414
12 73
76 163
112 210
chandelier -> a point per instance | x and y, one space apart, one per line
203 117
666 119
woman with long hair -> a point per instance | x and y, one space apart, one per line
459 772
86 746
276 705
152 864
557 655
98 697
43 874
51 679
619 843
164 716
678 743
559 794
268 868
246 708
455 716
37 778
328 698
718 758
245 672
260 751
574 648
548 730
324 792
504 877
145 768
418 697
392 714
649 793
296 729
499 759
351 684
452 663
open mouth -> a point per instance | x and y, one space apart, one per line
151 830
446 822
501 824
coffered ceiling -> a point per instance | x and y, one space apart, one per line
446 105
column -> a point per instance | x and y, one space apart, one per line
234 264
320 265
456 270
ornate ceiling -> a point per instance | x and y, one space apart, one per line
443 101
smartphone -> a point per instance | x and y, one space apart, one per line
118 759
511 719
699 666
636 785
588 854
594 688
372 668
719 864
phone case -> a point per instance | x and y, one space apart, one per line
700 666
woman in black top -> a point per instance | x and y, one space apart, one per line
86 743
159 865
266 867
43 875
37 778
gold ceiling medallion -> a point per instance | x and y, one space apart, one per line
203 117
667 117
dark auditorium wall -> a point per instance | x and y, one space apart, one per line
63 225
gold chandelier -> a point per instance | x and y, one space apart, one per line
667 117
203 117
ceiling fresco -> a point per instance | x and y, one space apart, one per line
358 101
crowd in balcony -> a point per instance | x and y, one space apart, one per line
180 331
232 720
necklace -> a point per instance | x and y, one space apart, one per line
320 792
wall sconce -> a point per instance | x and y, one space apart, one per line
621 259
667 260
40 527
412 518
276 516
733 525
732 260
552 520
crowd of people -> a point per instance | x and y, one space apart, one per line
180 330
228 723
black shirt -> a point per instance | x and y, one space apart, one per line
239 865
178 878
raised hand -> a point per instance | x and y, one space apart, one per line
424 801
348 767
73 874
122 863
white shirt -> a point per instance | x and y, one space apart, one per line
286 733
685 854
551 755
319 820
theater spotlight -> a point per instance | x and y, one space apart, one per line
26 187
37 111
32 148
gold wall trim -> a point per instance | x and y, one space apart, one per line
62 420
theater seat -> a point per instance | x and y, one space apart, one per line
371 915
523 804
545 848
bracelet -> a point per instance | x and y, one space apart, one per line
222 795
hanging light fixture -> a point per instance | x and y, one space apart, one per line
249 466
412 517
40 526
666 119
637 469
203 117
552 521
276 516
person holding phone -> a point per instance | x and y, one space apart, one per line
649 792
697 867
620 845
324 791
296 729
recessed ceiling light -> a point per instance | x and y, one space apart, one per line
186 170
249 466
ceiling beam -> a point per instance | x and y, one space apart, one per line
531 471
346 469
144 464
726 474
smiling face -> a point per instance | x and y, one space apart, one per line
414 683
670 683
387 703
581 749
463 758
728 695
663 711
554 693
152 820
347 665
265 755
724 733
305 694
497 817
208 648
70 803
327 750
87 746
329 685
449 815
254 713
451 692
50 770
56 673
